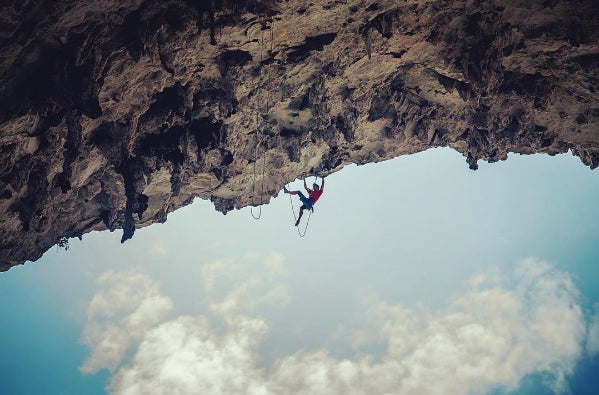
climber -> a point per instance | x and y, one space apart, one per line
308 202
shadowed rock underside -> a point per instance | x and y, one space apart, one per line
115 113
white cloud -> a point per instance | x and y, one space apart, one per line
593 336
212 271
494 334
158 249
186 356
275 263
118 315
490 336
241 286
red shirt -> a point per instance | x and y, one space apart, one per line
315 195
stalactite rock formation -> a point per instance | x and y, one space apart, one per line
115 113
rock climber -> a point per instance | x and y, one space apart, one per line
308 202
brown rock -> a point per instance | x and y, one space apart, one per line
115 113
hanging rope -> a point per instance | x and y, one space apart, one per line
274 88
258 143
299 232
271 83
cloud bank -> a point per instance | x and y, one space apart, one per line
497 332
119 316
593 336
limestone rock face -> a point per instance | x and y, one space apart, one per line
115 113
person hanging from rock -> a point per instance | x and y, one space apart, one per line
307 202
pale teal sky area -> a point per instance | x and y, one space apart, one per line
416 274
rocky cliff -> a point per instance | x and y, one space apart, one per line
114 113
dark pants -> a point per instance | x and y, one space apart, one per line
307 203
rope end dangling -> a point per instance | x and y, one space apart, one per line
259 213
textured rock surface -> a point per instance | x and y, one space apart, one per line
115 113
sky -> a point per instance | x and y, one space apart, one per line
416 275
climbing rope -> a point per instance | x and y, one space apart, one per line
299 232
272 84
274 87
259 143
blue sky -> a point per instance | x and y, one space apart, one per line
416 275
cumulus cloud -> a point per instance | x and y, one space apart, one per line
240 286
492 335
593 337
157 249
498 331
186 356
128 305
